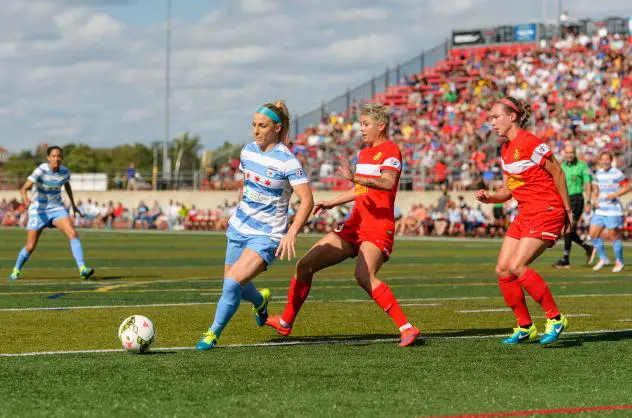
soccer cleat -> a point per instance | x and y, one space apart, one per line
275 322
208 341
408 336
86 272
553 330
591 252
15 274
618 267
261 311
521 335
600 264
562 264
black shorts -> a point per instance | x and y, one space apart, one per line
577 206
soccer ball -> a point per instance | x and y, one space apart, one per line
136 334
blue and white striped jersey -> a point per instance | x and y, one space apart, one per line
268 180
47 185
609 181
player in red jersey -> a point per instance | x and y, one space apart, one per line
535 179
367 234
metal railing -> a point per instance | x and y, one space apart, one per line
376 85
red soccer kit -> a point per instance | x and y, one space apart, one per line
373 215
541 211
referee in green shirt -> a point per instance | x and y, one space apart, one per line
578 181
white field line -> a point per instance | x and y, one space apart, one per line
404 300
473 311
299 343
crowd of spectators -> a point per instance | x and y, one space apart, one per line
580 88
449 216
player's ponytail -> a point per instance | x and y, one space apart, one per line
280 109
520 107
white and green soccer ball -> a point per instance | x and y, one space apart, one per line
136 334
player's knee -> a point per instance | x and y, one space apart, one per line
304 268
502 270
72 235
29 247
517 269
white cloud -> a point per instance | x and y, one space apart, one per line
258 6
75 71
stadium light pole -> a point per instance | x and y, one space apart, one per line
166 165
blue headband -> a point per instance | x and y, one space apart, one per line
269 113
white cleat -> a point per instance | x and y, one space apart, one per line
618 267
600 264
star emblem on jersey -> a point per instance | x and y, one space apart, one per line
257 179
516 155
268 182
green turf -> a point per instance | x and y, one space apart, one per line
461 369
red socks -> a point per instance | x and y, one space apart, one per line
534 284
295 298
383 296
514 298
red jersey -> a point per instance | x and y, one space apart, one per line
374 210
530 184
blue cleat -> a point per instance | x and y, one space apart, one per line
261 311
86 272
553 330
521 335
15 274
208 341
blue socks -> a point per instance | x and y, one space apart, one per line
227 305
77 252
23 257
618 250
601 251
250 293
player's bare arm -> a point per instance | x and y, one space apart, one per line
499 196
24 192
385 182
553 167
288 242
71 198
347 197
624 190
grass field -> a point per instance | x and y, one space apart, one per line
342 358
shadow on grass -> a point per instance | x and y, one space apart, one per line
579 340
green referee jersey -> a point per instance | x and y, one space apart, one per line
578 175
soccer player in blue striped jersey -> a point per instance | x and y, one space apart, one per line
609 184
46 210
258 231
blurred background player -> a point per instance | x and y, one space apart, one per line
610 183
258 231
535 179
578 181
367 234
47 210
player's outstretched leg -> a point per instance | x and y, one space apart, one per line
528 250
370 259
259 300
330 250
65 225
249 265
32 237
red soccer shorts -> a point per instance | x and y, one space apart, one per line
547 226
356 236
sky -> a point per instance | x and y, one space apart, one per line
93 71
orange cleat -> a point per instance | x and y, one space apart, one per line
408 336
275 322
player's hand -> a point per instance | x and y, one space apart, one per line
612 196
321 207
345 170
483 196
569 221
76 210
287 246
